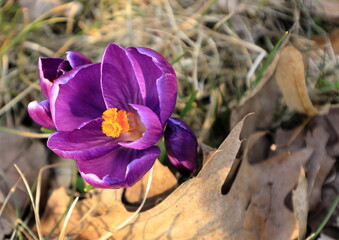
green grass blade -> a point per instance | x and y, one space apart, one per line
188 105
268 60
327 217
178 58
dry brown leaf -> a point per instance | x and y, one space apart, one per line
319 165
255 207
291 81
320 134
56 207
163 183
195 209
269 195
273 207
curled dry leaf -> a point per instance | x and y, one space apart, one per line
290 77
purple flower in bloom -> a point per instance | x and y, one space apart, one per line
49 70
108 115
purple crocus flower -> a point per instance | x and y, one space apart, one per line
181 144
51 69
110 115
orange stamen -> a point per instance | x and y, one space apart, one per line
115 122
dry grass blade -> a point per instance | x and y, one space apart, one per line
68 216
30 234
15 100
10 193
24 134
36 214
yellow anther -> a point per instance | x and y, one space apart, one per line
115 122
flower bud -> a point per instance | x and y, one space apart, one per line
181 145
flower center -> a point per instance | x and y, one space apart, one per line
117 122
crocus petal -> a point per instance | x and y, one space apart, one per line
48 73
77 59
160 81
181 145
120 168
76 97
118 79
63 68
153 131
87 142
40 113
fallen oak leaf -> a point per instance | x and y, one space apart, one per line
186 213
257 207
264 188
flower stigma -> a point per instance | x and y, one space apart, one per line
117 122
